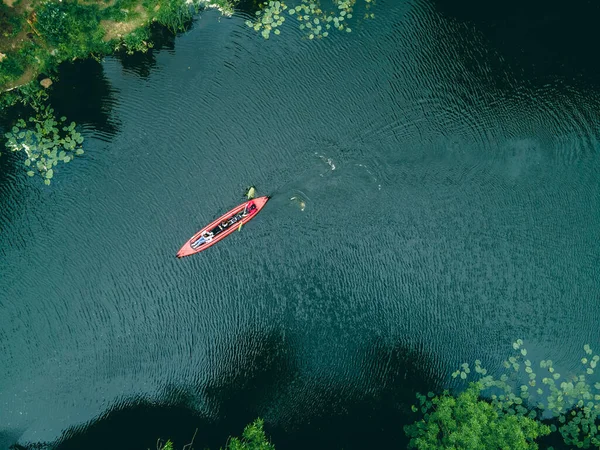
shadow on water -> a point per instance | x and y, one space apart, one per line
8 437
142 63
370 414
139 425
544 39
247 369
83 93
247 7
250 369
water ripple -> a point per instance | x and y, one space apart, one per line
447 201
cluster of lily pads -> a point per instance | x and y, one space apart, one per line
46 141
268 18
573 400
313 20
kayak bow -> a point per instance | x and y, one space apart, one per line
221 227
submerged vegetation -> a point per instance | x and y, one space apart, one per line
570 404
314 18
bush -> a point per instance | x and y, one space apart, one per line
10 24
572 400
253 438
72 28
137 41
176 15
468 422
11 68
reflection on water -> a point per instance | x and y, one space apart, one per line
258 371
142 64
449 209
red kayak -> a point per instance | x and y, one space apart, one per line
222 227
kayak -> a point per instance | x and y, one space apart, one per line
222 227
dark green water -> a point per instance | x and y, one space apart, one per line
452 206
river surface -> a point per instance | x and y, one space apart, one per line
451 204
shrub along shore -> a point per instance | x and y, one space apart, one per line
36 36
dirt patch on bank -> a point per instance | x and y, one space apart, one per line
9 42
115 30
28 75
101 5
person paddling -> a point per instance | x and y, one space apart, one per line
249 208
250 192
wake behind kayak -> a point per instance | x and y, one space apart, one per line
222 227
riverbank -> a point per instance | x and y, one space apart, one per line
37 36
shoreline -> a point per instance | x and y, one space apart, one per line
37 37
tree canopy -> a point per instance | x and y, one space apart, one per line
466 421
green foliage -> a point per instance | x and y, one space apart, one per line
11 67
572 400
64 30
468 422
137 41
176 15
73 29
44 140
253 438
31 93
10 22
168 446
310 14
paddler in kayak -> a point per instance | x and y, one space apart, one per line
250 206
250 192
249 209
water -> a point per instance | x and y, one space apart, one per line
451 206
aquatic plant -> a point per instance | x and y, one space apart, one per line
253 438
572 402
26 94
311 16
466 421
45 141
166 446
177 15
